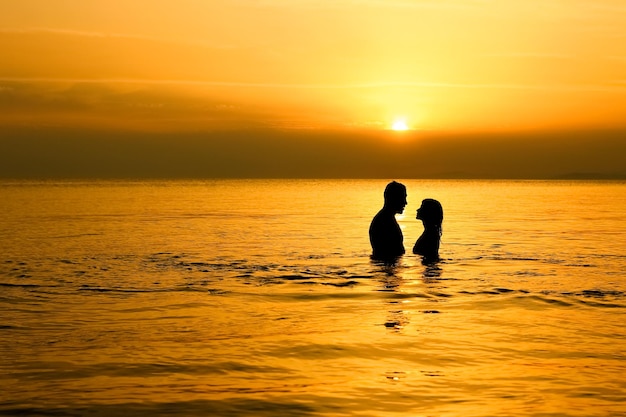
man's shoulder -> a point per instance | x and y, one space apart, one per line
383 222
384 216
380 219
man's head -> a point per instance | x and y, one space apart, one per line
395 197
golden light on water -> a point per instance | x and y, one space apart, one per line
310 325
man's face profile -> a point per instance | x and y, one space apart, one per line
399 203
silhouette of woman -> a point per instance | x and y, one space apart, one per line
431 215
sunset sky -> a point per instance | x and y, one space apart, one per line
493 88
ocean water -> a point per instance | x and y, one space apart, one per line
258 298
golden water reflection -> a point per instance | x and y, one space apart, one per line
215 299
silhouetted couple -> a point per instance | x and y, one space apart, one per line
385 233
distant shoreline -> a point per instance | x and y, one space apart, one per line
566 177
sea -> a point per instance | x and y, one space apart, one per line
259 298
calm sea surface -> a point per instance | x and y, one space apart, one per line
258 298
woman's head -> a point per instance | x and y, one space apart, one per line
430 212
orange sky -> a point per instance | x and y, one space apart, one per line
348 65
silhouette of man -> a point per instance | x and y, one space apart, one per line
385 234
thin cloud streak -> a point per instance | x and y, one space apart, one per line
110 35
384 4
374 85
530 55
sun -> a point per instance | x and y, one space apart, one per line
399 125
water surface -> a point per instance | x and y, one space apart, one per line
258 298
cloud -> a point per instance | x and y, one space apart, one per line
110 105
314 86
351 4
85 153
66 32
70 32
183 105
45 53
530 55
